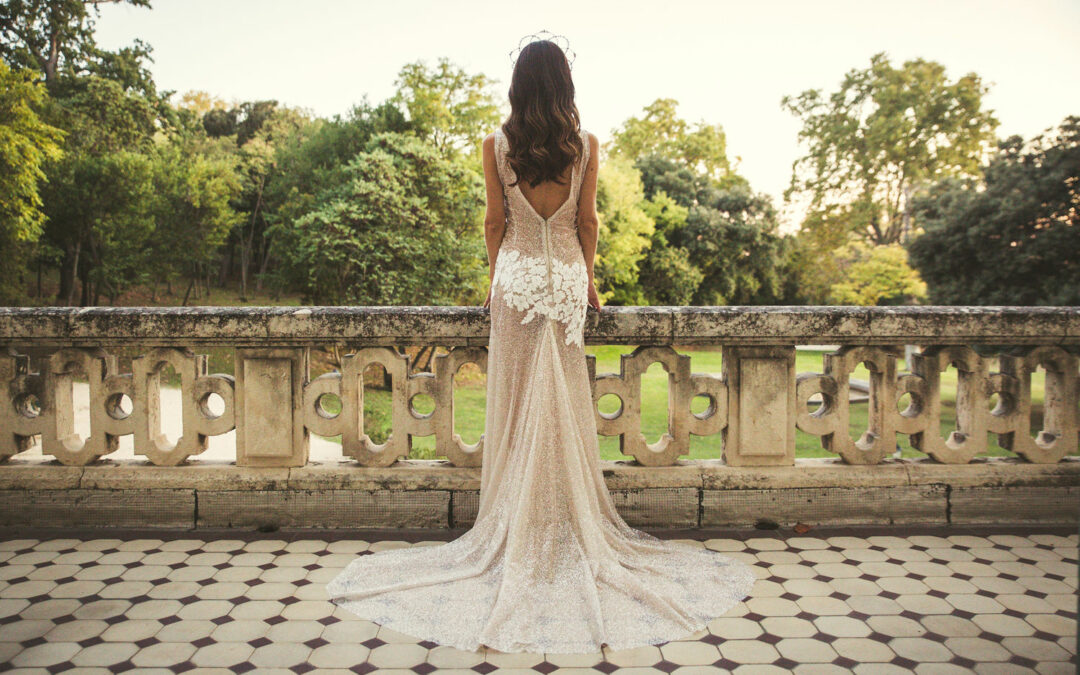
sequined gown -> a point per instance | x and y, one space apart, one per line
548 565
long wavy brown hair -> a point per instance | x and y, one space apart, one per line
543 130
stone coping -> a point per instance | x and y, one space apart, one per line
51 327
419 474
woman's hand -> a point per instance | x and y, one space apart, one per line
594 298
487 300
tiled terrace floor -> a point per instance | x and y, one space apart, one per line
985 600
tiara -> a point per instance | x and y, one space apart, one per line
550 37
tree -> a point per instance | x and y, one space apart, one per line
446 105
624 234
1011 238
876 275
96 198
882 136
702 150
56 38
397 226
26 144
192 210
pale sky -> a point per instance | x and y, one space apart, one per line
727 63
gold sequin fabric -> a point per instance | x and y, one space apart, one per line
549 565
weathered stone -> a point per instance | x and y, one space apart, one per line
1015 504
825 505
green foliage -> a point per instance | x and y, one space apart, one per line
624 233
449 107
668 276
192 214
701 149
883 135
26 143
876 275
1011 238
390 230
56 39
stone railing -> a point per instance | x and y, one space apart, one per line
757 403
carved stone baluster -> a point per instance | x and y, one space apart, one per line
58 436
21 414
627 421
1058 436
448 442
969 438
879 440
355 443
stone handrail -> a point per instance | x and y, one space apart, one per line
756 404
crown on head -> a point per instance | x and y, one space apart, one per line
544 35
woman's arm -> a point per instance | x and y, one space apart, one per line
495 216
588 222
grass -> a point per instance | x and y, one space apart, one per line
470 402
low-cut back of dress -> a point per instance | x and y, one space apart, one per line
548 565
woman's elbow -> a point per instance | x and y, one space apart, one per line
588 224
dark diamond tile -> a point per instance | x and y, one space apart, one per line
33 642
89 642
879 637
770 638
363 668
182 667
372 643
1023 661
219 620
274 620
604 667
544 667
428 644
204 641
260 641
243 667
825 637
484 667
60 667
963 662
726 664
754 616
665 665
122 667
424 668
904 662
845 662
317 642
302 667
785 663
146 642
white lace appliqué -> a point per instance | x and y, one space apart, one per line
523 279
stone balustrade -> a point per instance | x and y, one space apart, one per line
757 403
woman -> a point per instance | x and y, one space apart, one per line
549 565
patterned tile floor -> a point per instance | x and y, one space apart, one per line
864 600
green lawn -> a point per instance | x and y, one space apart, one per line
470 405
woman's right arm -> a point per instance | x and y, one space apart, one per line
588 222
